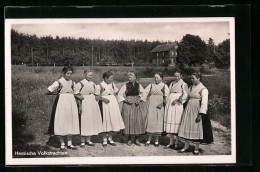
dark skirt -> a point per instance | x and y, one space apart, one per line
207 130
134 117
51 124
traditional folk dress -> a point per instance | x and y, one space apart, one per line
111 115
173 113
134 116
155 116
198 103
66 121
91 122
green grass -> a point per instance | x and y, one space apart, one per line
31 108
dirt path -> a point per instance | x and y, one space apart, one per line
221 146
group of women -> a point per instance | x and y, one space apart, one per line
134 110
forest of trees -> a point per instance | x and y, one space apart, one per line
33 50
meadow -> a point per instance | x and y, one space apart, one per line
31 107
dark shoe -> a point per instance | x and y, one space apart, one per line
196 152
156 144
137 142
104 144
111 142
147 143
72 147
175 147
184 150
90 144
168 147
129 142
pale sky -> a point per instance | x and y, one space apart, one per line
218 31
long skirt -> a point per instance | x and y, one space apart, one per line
173 114
111 115
155 116
191 131
66 121
51 124
134 116
91 122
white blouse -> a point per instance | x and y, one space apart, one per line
195 93
66 86
87 87
121 94
108 89
157 90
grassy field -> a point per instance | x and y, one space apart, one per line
31 108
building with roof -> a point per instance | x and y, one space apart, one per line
165 54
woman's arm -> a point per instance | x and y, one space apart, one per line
204 101
121 94
53 87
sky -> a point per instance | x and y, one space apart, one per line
170 31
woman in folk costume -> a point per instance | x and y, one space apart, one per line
112 120
195 126
174 109
91 122
134 109
66 122
158 92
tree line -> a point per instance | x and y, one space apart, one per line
46 50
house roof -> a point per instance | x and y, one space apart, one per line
164 47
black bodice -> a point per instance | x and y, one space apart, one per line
132 89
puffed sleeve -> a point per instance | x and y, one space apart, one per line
121 94
142 93
77 88
170 86
115 88
204 101
185 91
146 92
74 87
54 86
97 90
167 91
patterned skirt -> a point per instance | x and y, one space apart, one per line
191 131
134 116
173 114
155 116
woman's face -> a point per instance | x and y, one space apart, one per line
195 80
177 76
131 78
157 78
89 76
67 75
109 80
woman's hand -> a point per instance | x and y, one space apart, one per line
198 118
79 96
105 100
174 102
80 111
180 100
159 106
128 102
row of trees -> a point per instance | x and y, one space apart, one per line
47 50
193 52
